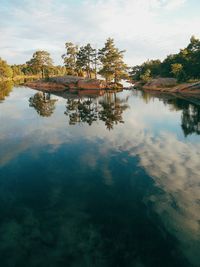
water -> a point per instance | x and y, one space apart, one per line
109 180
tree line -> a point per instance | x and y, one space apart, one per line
84 61
108 62
183 66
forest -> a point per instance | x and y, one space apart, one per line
184 66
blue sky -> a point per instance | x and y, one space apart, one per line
145 28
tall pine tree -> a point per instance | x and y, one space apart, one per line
113 66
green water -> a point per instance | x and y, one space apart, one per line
111 180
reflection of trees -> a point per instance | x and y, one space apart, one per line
43 104
5 89
81 110
112 109
88 110
191 120
145 96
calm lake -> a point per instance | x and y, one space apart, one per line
99 181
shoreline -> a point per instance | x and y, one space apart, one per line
72 84
182 88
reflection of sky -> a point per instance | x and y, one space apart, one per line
152 132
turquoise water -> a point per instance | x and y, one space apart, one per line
110 180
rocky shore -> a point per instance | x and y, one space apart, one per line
71 83
170 85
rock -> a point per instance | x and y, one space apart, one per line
66 80
47 86
91 84
161 83
167 85
71 86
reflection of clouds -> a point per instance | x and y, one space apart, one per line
174 167
172 164
34 141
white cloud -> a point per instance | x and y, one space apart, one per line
145 28
173 4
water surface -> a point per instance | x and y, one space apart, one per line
108 180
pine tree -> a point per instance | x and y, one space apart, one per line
113 66
86 57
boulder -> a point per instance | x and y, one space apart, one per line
47 86
162 82
91 84
67 79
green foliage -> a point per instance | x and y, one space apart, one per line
146 77
177 70
87 60
148 68
5 70
113 66
17 70
184 66
70 58
41 63
5 89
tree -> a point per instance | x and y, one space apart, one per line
70 58
113 66
86 59
177 70
17 70
135 73
40 63
184 65
5 89
146 76
5 70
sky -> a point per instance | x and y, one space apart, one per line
146 29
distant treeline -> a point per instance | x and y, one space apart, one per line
184 66
108 62
81 61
